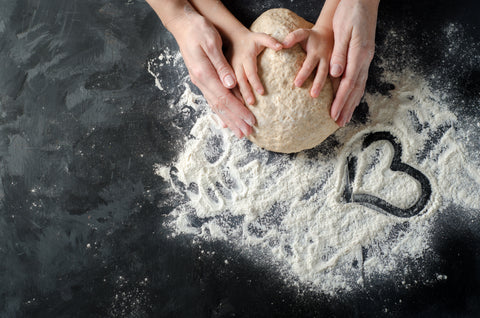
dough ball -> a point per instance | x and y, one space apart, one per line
288 118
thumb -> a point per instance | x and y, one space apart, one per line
295 37
339 54
268 41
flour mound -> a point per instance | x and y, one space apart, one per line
288 118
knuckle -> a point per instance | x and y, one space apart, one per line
301 31
222 100
218 107
196 75
363 79
314 58
321 75
222 68
210 45
252 55
368 51
338 55
250 73
349 83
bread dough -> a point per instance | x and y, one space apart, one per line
288 118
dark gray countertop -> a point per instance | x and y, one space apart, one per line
81 126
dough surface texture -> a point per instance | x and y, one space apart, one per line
288 118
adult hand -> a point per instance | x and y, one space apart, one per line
354 26
201 48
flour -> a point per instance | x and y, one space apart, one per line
289 212
165 58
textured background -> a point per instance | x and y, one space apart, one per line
82 124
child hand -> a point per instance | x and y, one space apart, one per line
245 48
318 44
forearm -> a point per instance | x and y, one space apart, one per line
171 12
220 16
326 15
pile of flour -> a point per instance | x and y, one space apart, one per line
288 211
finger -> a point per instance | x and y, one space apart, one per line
350 106
307 67
320 78
245 88
226 103
354 97
225 72
359 91
355 76
219 118
237 114
295 37
229 108
237 117
338 59
219 121
347 84
250 68
236 92
218 106
268 41
335 84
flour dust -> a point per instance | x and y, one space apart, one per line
289 212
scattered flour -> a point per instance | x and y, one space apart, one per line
165 58
288 211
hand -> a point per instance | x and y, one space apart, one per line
201 48
354 25
318 43
245 48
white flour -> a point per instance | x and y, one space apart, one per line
288 212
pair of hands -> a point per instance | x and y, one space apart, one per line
346 56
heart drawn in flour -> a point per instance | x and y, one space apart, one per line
377 203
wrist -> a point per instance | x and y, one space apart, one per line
182 18
371 3
234 33
323 26
171 11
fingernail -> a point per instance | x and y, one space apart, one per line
335 116
260 91
336 70
278 46
244 131
314 93
250 101
249 121
229 80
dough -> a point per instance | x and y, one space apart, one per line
288 118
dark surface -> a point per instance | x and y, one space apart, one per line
82 124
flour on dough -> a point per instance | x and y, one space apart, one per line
288 118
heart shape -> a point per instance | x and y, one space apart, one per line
377 203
